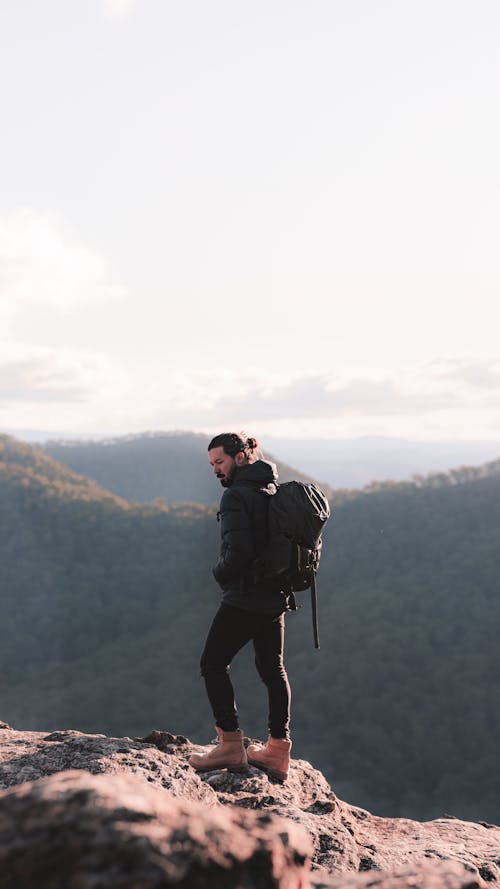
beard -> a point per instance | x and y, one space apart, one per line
227 480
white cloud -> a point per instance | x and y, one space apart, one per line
42 265
474 374
316 397
48 281
116 9
97 396
36 374
440 399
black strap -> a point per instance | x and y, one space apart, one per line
291 604
314 606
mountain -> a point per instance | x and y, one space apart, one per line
354 463
104 606
87 810
29 466
338 463
169 465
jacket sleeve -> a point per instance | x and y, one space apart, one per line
237 547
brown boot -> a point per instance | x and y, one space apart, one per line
228 754
273 757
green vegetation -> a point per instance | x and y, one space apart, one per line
104 606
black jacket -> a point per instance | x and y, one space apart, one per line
243 517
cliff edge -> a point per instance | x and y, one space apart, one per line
84 811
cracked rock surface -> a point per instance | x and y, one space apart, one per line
92 811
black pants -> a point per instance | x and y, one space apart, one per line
231 629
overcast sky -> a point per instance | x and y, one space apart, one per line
280 215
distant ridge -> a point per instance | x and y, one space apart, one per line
153 465
336 462
354 463
172 466
127 437
460 476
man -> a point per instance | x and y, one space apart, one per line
250 610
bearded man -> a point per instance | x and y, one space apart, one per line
250 611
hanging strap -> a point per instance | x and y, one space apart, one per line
314 606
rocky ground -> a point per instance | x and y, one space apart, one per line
80 811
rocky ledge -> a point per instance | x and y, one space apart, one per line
83 811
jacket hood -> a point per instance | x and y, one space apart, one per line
261 475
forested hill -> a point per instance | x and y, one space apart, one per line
168 465
104 606
25 466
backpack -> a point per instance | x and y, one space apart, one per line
298 513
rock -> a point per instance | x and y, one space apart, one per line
392 842
26 756
164 741
346 840
4 725
87 831
443 875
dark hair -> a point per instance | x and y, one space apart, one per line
234 443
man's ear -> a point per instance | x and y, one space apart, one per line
240 458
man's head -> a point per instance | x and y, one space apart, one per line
228 451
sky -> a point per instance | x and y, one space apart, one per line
277 216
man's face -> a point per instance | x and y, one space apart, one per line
223 465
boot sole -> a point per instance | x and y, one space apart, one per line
238 769
280 776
